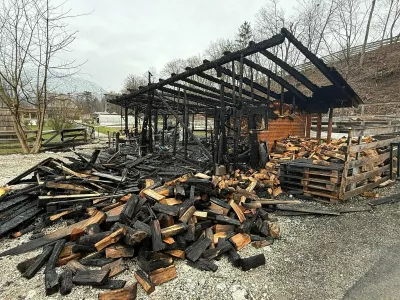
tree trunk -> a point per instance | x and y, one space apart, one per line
362 58
387 21
38 140
20 132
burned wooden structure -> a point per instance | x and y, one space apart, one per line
243 98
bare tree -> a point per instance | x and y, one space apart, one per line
347 27
314 18
396 17
371 12
133 82
32 34
391 3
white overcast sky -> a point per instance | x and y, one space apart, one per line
120 37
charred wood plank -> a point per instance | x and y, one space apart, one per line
75 266
91 277
194 251
252 262
173 230
58 247
21 217
142 227
112 285
96 262
51 281
144 281
127 293
39 262
118 251
166 209
163 275
156 236
203 265
54 236
128 211
91 240
115 267
66 284
23 266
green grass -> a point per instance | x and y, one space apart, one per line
105 129
15 149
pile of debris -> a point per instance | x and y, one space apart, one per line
118 207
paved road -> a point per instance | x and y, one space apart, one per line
382 281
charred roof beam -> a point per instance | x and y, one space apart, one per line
247 82
231 87
200 92
276 78
330 73
229 95
273 41
292 71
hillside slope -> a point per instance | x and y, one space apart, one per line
377 83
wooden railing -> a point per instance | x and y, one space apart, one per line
340 55
58 139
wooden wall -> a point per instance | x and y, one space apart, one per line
6 123
281 128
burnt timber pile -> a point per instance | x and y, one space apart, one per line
117 212
197 198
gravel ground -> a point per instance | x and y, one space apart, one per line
316 258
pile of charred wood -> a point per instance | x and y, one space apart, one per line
117 207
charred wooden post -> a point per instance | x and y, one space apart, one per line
281 100
216 135
330 120
223 143
155 122
150 123
178 119
126 121
193 115
238 119
186 134
164 128
308 125
136 120
174 137
319 126
206 125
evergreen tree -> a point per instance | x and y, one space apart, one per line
244 35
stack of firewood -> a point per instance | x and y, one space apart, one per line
292 148
115 214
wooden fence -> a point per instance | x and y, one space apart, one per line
365 173
55 139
